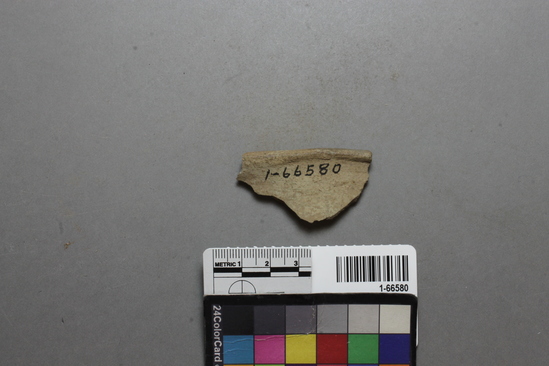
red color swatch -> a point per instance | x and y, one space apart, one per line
331 348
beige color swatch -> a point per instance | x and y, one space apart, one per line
394 318
317 184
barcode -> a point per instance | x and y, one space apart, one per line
372 268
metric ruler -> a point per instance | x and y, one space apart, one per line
302 270
257 270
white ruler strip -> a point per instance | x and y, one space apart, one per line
292 270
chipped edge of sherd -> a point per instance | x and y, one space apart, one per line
324 154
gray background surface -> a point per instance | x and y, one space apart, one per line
122 125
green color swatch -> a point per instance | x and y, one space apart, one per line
363 348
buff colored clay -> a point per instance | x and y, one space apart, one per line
317 184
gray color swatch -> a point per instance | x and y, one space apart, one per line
300 319
332 319
269 319
394 319
363 318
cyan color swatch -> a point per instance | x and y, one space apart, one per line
238 349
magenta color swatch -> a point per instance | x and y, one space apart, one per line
269 348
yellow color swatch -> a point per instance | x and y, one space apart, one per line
301 348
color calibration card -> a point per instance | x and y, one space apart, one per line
309 306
